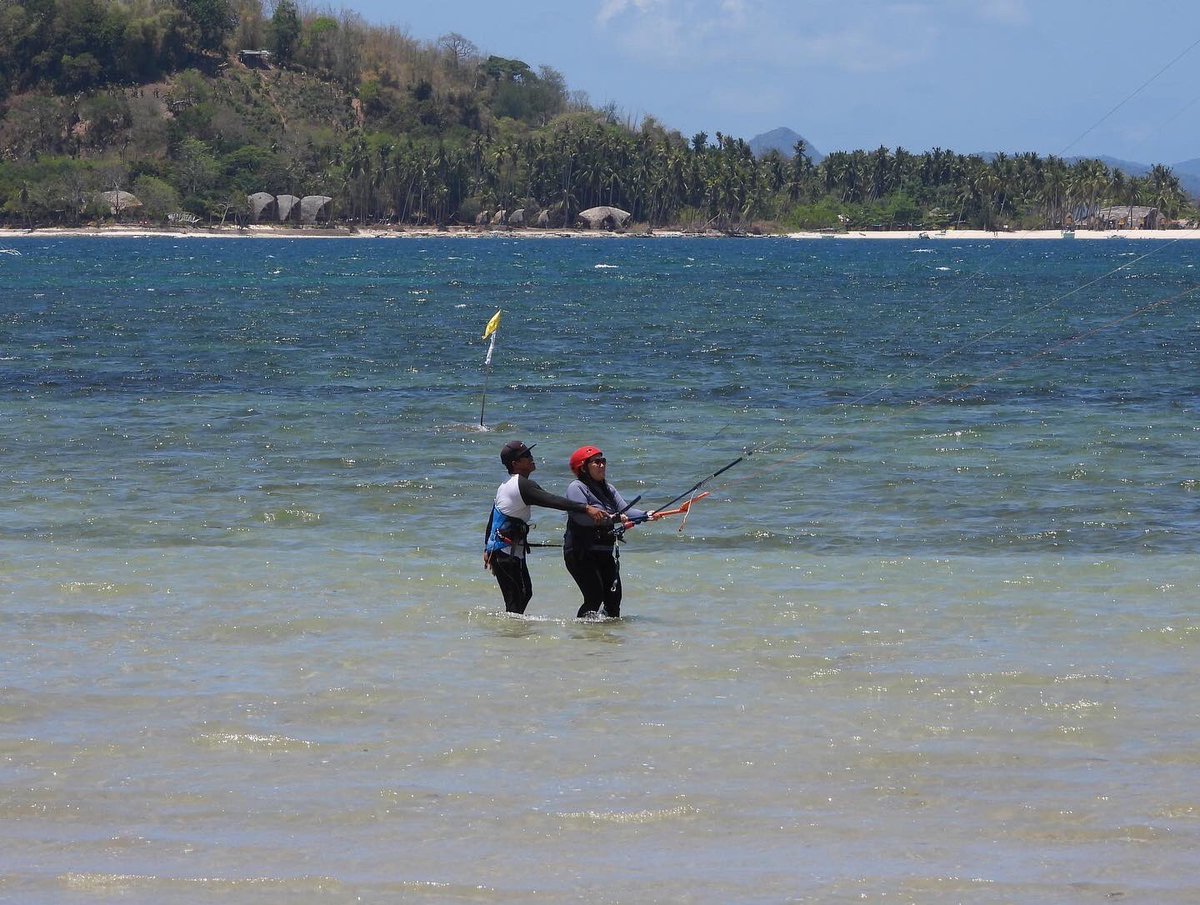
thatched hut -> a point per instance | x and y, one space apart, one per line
118 202
603 217
289 207
517 217
543 219
1124 216
314 207
262 206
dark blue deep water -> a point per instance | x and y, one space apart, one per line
912 397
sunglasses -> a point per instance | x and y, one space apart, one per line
600 460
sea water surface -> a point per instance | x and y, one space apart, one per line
934 639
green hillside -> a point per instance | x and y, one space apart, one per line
161 99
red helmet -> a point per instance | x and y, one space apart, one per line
581 455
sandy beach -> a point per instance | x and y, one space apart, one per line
469 232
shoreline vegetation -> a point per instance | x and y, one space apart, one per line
469 232
194 116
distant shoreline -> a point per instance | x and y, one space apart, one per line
466 232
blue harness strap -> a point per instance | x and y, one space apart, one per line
507 531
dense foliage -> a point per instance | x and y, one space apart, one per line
156 97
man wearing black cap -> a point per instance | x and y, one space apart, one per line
506 538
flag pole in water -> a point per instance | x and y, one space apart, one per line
490 330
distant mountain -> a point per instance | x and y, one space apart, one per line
1191 167
784 141
1188 172
1128 167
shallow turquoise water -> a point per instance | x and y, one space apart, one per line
932 640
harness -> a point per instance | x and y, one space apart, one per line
598 537
507 531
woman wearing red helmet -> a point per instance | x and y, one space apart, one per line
589 550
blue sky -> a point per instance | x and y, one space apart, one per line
1072 77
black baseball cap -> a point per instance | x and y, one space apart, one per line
513 450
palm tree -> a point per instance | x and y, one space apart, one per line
799 172
880 173
1053 193
1164 191
1090 180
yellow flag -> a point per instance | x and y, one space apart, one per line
492 326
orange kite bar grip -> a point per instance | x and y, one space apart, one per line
682 510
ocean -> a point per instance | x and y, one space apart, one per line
933 639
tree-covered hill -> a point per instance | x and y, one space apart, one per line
173 101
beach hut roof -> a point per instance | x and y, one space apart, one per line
260 204
1117 211
311 207
287 206
118 201
598 216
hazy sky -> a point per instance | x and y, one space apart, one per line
966 75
